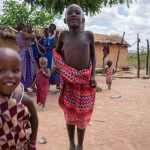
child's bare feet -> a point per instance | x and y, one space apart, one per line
72 147
79 148
39 104
43 108
109 86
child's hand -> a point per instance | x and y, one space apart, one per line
93 82
55 69
42 70
31 148
32 87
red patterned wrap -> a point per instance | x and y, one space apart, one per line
77 97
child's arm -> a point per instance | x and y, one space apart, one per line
55 68
46 74
93 59
60 42
33 85
114 70
106 69
27 36
27 101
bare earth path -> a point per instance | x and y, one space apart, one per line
117 123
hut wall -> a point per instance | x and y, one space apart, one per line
112 55
9 42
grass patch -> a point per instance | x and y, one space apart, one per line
132 60
98 89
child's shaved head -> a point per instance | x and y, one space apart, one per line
9 52
75 5
43 59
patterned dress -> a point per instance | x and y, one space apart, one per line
28 63
42 84
77 97
15 127
109 75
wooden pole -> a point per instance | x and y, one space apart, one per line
138 56
147 60
119 50
103 64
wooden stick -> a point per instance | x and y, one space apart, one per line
147 60
119 50
103 64
138 56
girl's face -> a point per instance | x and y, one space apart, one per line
43 64
10 73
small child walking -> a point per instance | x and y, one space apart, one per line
19 121
42 82
109 73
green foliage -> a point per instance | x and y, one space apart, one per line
98 89
14 12
89 6
132 60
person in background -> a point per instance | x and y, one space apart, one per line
30 31
42 43
42 82
109 73
51 42
28 63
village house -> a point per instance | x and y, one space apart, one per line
113 42
8 38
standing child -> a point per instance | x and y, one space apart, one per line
109 74
42 82
19 122
77 71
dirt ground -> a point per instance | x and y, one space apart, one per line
116 124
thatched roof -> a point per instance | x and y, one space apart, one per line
11 32
112 39
8 31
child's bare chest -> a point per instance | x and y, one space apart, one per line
77 50
76 43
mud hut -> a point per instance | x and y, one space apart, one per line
8 37
113 42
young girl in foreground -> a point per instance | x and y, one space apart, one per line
18 117
42 82
109 74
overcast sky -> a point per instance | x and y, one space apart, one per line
117 19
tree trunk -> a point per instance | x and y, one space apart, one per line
138 56
147 57
119 50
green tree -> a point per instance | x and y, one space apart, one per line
15 12
89 6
